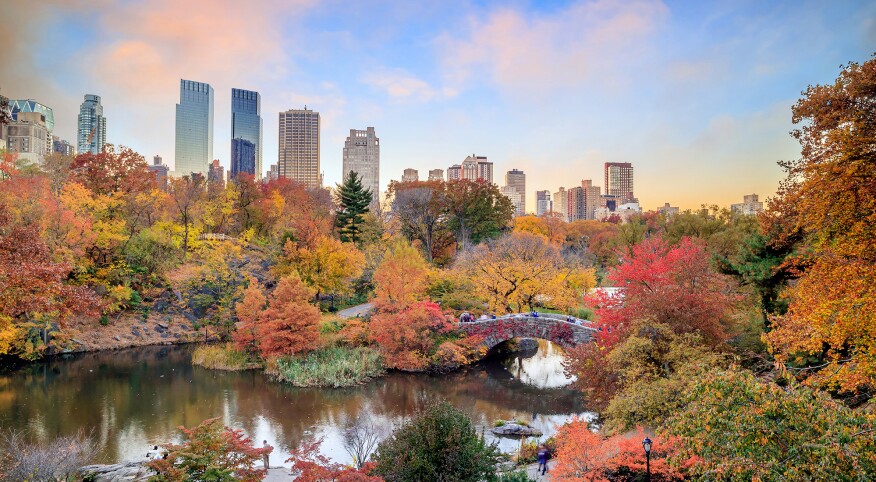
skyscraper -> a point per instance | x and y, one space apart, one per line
92 126
246 125
30 105
194 128
543 203
454 173
243 157
160 170
477 168
592 198
299 147
619 182
515 197
362 155
561 202
516 179
26 135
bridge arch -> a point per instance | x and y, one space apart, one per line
551 327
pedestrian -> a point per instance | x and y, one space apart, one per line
542 455
154 453
265 455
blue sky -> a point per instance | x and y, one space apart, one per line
696 95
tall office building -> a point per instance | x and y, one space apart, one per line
194 128
516 179
92 126
515 197
299 147
436 174
362 155
160 170
454 173
410 175
30 105
26 135
619 182
543 203
476 168
560 203
592 198
246 126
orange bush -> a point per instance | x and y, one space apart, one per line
407 339
290 325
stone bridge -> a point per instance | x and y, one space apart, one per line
547 326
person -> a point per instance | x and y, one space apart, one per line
265 455
153 453
542 455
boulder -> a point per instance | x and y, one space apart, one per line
513 429
129 472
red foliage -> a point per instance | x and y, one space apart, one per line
112 172
586 456
248 310
407 339
290 324
672 285
31 281
314 467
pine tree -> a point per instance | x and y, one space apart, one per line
354 201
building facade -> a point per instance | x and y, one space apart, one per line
62 147
194 128
26 135
560 203
299 158
516 179
592 198
543 203
161 171
454 173
91 126
668 210
29 106
362 156
243 157
750 205
246 126
477 168
410 175
216 173
436 174
619 182
273 172
515 197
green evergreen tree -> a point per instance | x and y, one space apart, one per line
353 201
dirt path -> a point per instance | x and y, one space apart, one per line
352 311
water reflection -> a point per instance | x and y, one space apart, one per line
544 369
134 398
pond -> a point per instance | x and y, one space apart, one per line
131 399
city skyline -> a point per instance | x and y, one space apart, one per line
641 82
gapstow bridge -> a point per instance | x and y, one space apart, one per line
547 326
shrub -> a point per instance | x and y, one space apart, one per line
438 443
59 459
330 367
223 357
518 476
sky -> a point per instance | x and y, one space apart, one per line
697 95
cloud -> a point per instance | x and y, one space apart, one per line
399 84
587 42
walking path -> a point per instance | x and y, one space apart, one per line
279 474
352 311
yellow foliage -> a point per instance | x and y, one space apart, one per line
328 265
9 333
401 277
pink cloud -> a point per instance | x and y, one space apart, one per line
588 42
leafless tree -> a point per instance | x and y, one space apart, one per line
57 460
361 437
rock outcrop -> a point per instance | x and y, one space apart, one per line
129 472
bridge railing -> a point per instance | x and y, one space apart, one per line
550 316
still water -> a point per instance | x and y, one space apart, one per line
137 397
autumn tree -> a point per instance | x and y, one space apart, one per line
290 324
210 452
739 428
111 171
407 339
520 269
829 199
400 278
327 266
584 455
186 193
312 466
353 201
418 207
248 311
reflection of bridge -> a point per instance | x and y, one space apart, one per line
547 326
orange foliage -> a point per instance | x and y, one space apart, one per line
315 467
248 310
400 279
586 456
406 339
290 325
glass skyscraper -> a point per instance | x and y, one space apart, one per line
243 157
92 126
246 125
194 128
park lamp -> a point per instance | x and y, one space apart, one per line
646 444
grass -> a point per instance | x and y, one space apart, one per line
222 357
330 367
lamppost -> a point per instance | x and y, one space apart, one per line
646 444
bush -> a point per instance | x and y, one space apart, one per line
518 476
438 443
223 357
60 459
330 367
